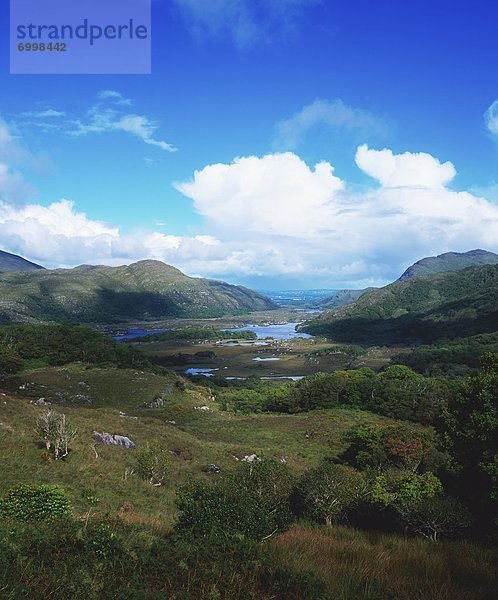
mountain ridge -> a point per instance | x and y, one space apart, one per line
449 261
13 262
146 290
423 308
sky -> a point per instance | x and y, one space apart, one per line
277 144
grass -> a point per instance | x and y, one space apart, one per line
198 439
360 565
353 565
297 356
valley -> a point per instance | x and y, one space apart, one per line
278 439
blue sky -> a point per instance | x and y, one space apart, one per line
285 86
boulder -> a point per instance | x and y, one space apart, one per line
113 440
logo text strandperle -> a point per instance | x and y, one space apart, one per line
84 31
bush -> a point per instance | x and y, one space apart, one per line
10 361
435 517
35 503
152 465
253 501
55 432
326 494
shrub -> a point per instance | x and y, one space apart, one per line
10 361
435 517
252 501
152 464
35 503
325 494
55 432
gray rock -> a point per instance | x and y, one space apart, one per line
113 440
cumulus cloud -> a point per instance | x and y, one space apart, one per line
276 194
275 216
246 22
289 218
334 115
404 170
491 118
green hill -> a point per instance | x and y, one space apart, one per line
418 309
12 262
145 290
450 261
341 298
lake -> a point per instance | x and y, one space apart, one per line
131 334
286 331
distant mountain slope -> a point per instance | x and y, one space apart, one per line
342 298
142 291
450 261
425 308
12 262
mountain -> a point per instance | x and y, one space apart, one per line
12 262
418 309
145 290
341 298
450 261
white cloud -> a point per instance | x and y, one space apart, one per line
116 97
277 217
404 170
59 235
44 114
491 118
247 22
284 218
276 194
335 115
103 118
13 187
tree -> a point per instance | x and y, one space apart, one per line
469 429
56 432
366 449
398 489
434 517
326 493
10 361
152 464
253 501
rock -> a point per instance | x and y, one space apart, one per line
42 402
171 422
125 416
113 440
251 458
213 469
204 408
156 403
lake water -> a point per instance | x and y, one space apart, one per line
203 372
131 334
286 331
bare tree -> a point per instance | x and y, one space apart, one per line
56 432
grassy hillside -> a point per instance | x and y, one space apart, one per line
182 515
341 298
93 399
418 309
12 262
142 291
